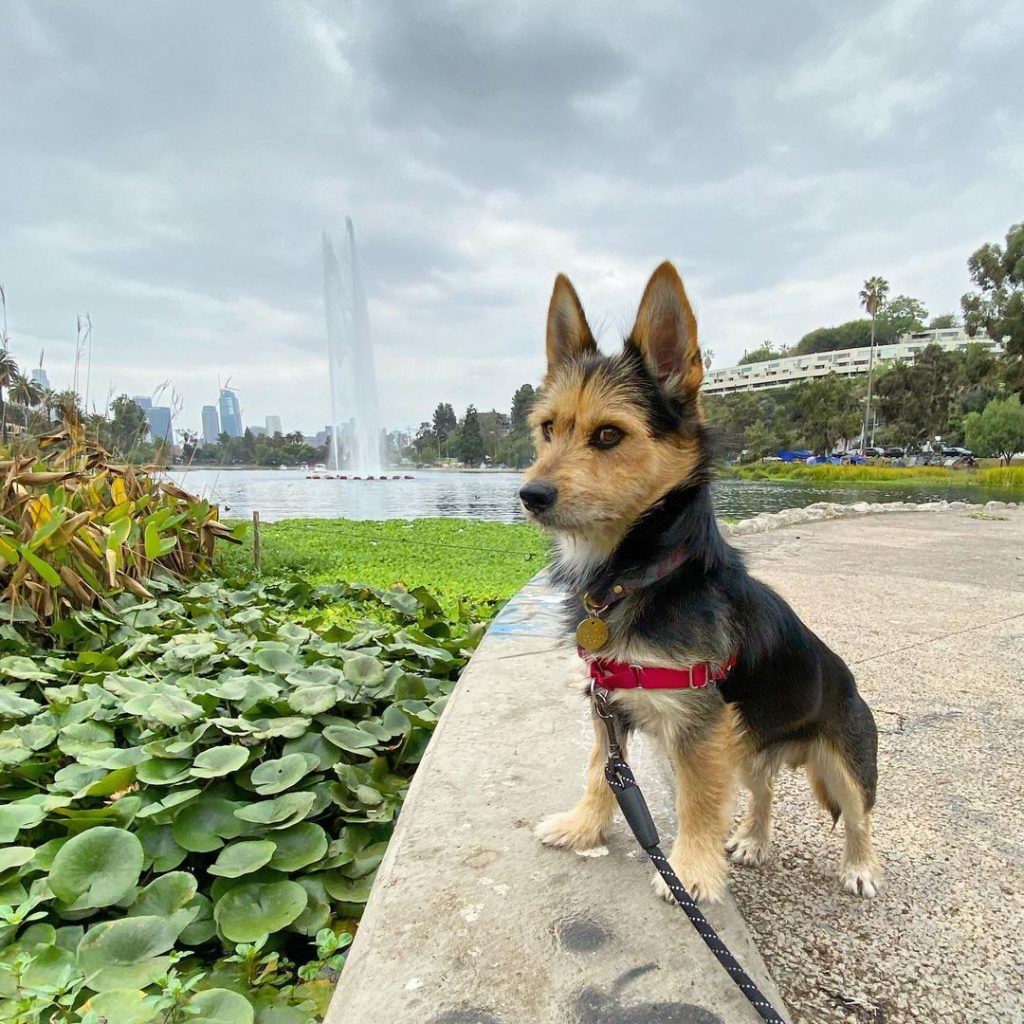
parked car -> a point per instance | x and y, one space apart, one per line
874 453
957 453
893 452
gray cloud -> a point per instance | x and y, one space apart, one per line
169 168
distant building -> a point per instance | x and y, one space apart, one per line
273 425
39 376
159 419
846 362
230 413
211 424
258 431
144 402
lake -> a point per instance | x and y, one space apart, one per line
287 494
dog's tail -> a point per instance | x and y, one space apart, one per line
822 794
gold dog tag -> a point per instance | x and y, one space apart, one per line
592 634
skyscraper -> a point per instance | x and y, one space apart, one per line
273 425
160 427
144 402
211 424
39 376
230 413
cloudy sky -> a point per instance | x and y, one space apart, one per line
169 167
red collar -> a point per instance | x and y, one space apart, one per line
618 675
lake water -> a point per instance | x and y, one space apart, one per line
287 494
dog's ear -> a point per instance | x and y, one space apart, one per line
568 332
665 332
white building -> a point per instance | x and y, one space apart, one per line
847 362
273 425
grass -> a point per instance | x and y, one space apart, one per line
1005 479
456 559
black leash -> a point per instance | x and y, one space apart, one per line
638 817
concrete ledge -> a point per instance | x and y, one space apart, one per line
472 921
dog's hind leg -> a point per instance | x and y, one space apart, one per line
584 827
836 786
704 788
751 841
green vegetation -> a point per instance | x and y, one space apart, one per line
197 791
998 429
1002 479
482 563
200 776
76 529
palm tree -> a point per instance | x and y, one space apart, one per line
8 373
68 404
872 295
26 391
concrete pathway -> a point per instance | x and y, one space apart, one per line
929 610
471 921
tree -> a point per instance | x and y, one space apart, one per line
9 372
761 354
471 442
872 295
68 405
998 429
998 305
899 316
128 424
852 334
25 391
825 410
760 440
943 322
445 422
494 428
522 402
425 443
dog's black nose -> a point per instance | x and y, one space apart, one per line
538 496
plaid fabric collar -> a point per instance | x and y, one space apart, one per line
629 585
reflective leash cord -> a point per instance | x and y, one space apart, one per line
638 817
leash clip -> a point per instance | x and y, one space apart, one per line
603 709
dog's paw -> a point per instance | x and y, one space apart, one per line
861 879
571 830
704 888
750 851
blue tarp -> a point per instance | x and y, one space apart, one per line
796 456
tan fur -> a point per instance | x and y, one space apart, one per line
704 773
833 786
584 827
601 492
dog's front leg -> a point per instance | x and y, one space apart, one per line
584 827
704 788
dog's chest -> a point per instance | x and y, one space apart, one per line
672 718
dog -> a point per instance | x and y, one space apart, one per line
622 480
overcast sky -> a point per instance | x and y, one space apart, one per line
168 167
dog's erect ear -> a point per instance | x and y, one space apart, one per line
666 332
568 332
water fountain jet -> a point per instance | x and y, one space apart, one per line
355 420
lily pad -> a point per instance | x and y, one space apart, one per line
220 1006
282 773
279 812
164 895
252 910
97 868
125 953
243 858
298 846
216 761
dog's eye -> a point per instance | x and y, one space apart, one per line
545 429
606 437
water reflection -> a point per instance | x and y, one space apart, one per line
287 494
